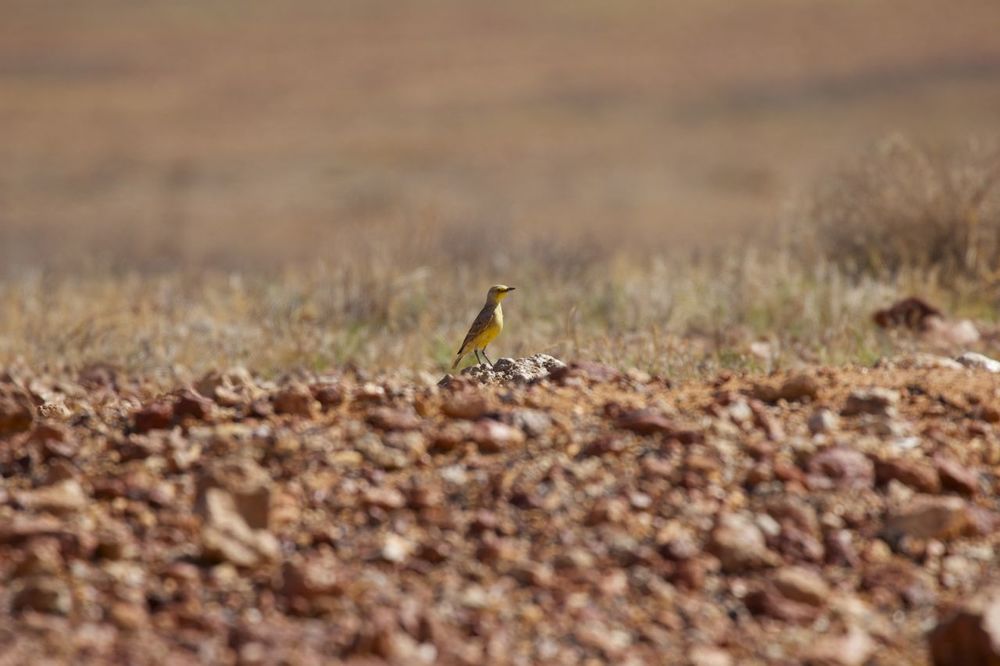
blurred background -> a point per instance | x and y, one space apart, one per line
451 143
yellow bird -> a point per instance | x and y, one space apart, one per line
486 327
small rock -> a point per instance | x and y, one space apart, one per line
913 473
295 399
494 437
955 477
226 537
387 418
840 467
63 497
769 601
43 594
929 518
158 415
802 585
854 648
823 420
396 549
739 544
17 411
709 655
245 482
327 394
979 362
193 405
515 371
970 634
468 405
877 401
794 389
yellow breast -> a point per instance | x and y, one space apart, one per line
491 331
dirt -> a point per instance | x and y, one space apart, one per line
830 516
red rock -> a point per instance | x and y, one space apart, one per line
387 418
970 634
913 473
876 400
327 394
17 411
245 482
158 415
469 405
63 497
44 594
802 585
768 601
794 389
955 477
296 400
192 405
739 544
853 648
929 518
494 437
840 467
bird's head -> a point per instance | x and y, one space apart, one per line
498 292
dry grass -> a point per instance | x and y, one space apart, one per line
680 317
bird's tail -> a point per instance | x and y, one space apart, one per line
458 359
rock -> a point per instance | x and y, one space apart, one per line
739 544
802 585
17 411
226 537
853 648
469 405
43 594
586 372
924 361
970 634
515 371
327 394
646 422
157 415
494 437
709 655
769 601
901 578
955 477
387 418
63 497
840 467
311 577
396 548
192 405
876 400
929 517
823 420
794 389
296 400
245 482
913 473
979 362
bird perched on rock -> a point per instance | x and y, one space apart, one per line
486 327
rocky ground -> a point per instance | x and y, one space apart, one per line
532 514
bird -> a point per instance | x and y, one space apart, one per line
486 327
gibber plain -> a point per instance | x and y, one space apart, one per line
745 407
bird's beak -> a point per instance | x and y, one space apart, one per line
509 289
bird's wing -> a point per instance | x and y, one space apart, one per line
478 326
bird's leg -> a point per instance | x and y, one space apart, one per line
487 357
479 361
